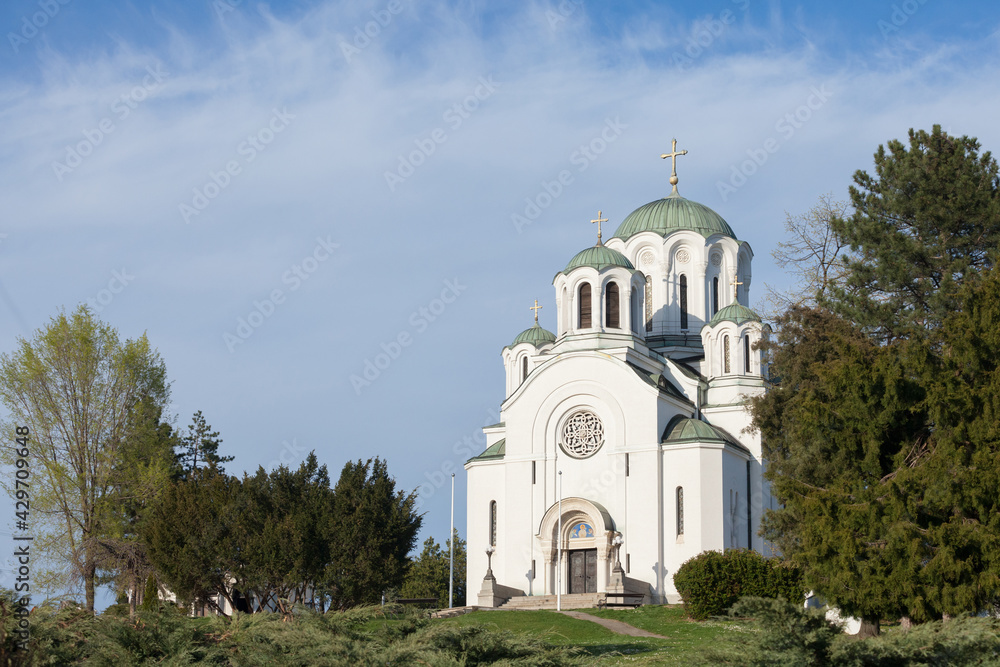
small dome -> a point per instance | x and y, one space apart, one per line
673 214
736 313
534 335
598 257
684 429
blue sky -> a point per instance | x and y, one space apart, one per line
185 165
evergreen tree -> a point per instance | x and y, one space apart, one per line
199 448
881 437
372 529
429 574
927 221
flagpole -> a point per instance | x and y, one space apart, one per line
451 548
559 557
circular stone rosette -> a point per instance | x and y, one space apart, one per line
582 434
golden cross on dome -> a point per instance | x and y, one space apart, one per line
536 308
599 221
673 160
736 286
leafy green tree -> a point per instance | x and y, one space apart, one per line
926 222
372 529
429 574
199 448
76 385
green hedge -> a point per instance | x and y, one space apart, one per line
711 582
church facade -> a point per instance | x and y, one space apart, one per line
621 450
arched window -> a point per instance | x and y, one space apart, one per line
746 354
584 318
715 295
684 302
493 523
612 320
633 299
725 355
680 511
648 299
524 368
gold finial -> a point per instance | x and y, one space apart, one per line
536 308
736 287
673 159
599 221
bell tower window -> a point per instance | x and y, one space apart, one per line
584 308
746 354
725 355
524 368
684 302
648 300
715 295
611 307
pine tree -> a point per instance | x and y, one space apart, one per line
199 448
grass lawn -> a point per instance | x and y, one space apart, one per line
683 637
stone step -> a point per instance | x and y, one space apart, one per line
569 601
454 611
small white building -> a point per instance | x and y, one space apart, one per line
638 400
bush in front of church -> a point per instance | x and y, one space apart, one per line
711 582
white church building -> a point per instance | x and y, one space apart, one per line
621 440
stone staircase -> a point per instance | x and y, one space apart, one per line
569 601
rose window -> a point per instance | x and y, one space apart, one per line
583 434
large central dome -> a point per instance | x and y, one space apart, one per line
673 214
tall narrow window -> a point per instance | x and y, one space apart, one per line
684 302
715 295
633 309
626 464
532 472
725 355
584 306
648 299
612 319
524 368
680 511
746 354
493 523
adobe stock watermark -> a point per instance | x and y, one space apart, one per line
30 26
119 281
786 126
463 450
581 158
703 35
121 108
291 455
900 14
556 18
248 150
294 278
419 321
363 35
454 116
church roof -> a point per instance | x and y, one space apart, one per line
494 452
534 335
736 313
598 257
684 429
673 214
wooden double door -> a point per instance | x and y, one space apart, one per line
582 565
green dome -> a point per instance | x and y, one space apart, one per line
673 214
598 257
736 313
535 335
684 429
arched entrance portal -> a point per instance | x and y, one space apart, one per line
587 532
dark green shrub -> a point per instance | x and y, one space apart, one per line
711 582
